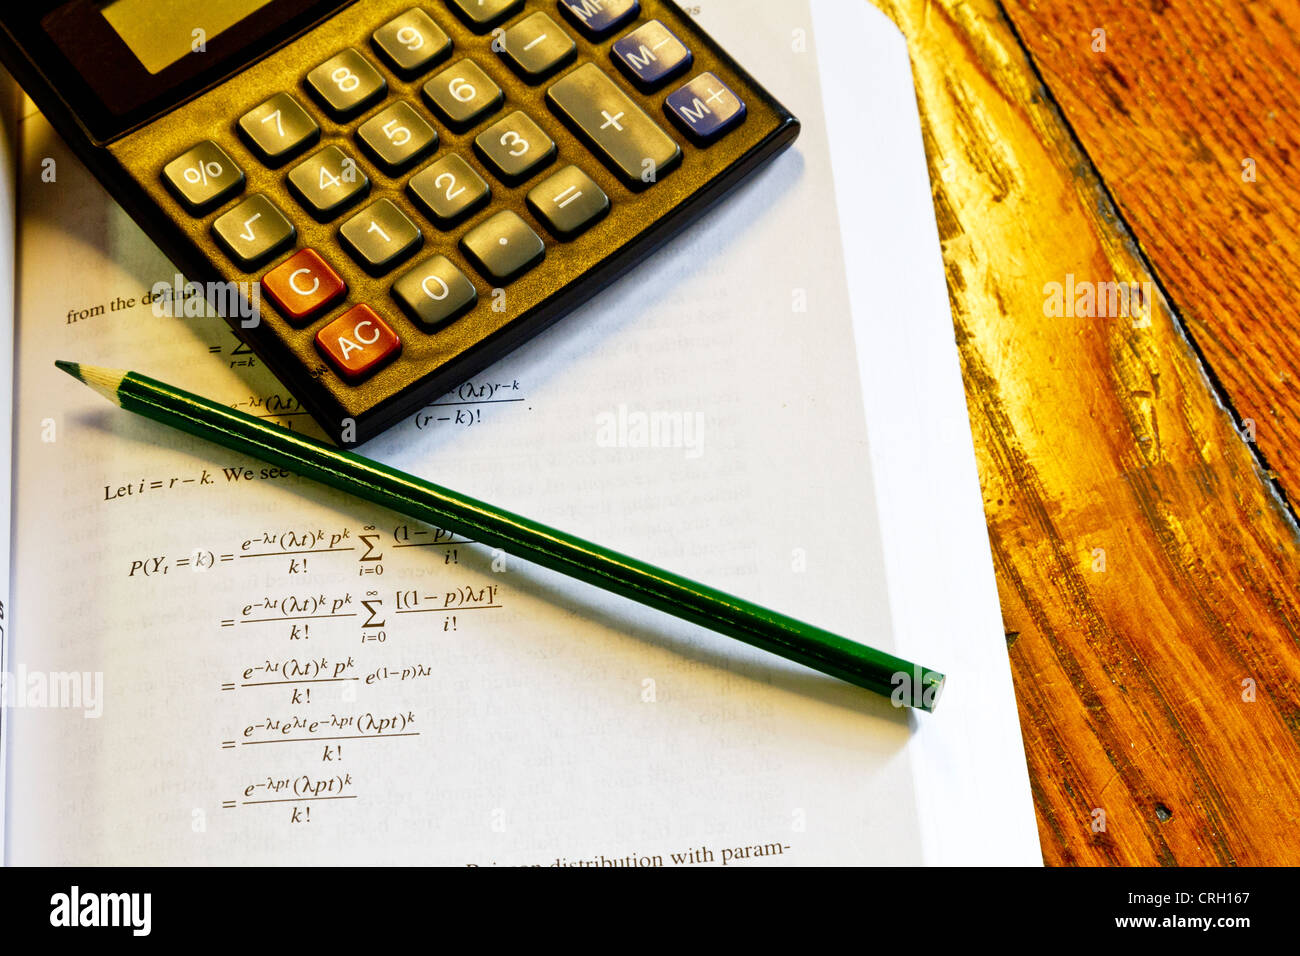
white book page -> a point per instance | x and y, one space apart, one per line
972 783
10 104
272 672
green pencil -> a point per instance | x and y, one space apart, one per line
906 683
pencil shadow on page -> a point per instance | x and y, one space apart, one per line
712 651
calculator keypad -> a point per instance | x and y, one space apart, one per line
346 84
515 147
503 247
620 131
448 116
253 230
278 129
412 43
537 46
448 190
203 177
328 182
380 236
397 136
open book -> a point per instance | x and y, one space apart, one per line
213 661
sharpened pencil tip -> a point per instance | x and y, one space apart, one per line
72 368
103 380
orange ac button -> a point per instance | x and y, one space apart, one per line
302 285
358 342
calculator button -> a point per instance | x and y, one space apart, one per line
515 147
568 202
397 136
462 93
328 182
380 236
598 18
651 54
448 190
358 342
481 14
253 230
434 292
412 42
503 246
705 107
346 84
204 176
302 285
278 128
536 46
619 130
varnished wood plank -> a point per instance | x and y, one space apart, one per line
1101 439
1183 94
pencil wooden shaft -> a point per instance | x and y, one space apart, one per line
518 536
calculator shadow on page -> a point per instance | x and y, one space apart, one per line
78 207
595 324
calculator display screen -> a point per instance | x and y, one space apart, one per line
160 32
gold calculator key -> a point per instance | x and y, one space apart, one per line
536 46
412 42
278 128
569 202
448 190
328 182
482 14
503 247
380 236
462 94
515 147
346 84
203 177
397 136
434 292
253 230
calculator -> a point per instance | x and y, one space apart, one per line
399 193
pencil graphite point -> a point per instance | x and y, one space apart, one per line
72 368
103 380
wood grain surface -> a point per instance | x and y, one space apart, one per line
1148 569
1190 118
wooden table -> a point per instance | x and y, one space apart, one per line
1135 468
